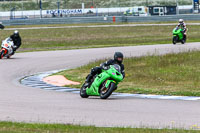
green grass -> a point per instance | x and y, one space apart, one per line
171 74
78 38
11 127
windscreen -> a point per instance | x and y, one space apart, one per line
8 40
117 67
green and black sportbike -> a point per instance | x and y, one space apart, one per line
178 36
103 84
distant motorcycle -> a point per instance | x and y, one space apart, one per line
6 48
178 36
103 84
1 26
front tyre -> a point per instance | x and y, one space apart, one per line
83 93
1 54
174 40
106 92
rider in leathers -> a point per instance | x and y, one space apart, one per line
1 26
16 40
182 25
118 59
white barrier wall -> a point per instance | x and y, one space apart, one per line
77 11
65 11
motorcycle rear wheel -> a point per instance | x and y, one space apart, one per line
183 41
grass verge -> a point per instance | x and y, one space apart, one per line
171 74
79 38
11 127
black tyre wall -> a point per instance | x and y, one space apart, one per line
83 93
112 87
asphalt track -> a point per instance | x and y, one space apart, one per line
26 104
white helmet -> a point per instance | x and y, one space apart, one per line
180 20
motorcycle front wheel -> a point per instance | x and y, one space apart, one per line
106 92
174 40
83 93
1 54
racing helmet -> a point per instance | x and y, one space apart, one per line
181 21
118 57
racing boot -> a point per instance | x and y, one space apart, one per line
12 53
14 49
184 37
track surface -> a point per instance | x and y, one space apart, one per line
25 104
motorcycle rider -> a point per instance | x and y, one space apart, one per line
1 26
16 40
118 59
182 25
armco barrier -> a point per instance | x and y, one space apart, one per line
102 19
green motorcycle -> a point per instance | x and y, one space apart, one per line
178 36
103 84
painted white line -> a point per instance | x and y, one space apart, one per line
67 90
163 97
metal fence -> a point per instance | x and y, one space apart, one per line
108 19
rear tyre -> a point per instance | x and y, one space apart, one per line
105 94
183 41
83 93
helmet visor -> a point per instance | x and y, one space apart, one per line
119 59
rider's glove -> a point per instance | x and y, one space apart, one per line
14 47
105 67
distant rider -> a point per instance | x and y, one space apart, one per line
182 25
16 40
1 26
118 59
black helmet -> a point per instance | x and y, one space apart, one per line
118 55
